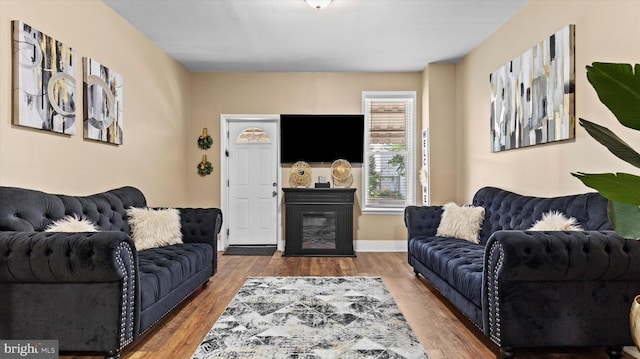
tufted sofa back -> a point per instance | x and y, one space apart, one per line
506 210
26 210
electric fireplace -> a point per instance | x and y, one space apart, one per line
319 221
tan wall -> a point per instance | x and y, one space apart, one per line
166 109
606 30
439 115
213 94
156 92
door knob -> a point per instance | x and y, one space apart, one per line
274 193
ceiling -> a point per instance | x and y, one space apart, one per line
288 35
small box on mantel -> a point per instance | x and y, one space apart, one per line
323 185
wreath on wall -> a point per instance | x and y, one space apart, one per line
205 141
205 167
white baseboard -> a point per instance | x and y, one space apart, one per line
371 246
379 246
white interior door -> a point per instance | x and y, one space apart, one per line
253 188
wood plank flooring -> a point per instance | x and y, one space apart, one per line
442 330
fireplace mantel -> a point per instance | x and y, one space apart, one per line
319 221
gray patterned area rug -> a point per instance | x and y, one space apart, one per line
311 318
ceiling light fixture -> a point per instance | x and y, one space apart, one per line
318 4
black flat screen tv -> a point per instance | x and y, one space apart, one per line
321 138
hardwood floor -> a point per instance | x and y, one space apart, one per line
444 333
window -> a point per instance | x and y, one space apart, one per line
253 135
388 168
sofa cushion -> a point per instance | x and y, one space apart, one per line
463 222
457 261
163 269
153 228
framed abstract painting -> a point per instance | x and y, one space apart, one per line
44 85
103 103
532 96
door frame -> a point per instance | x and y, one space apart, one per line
224 173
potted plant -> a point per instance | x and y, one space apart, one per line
618 88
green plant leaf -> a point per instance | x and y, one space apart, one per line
618 88
619 187
625 219
612 142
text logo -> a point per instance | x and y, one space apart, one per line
31 349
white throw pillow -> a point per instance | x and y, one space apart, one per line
72 224
152 228
463 222
556 221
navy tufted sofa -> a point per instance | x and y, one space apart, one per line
94 291
533 289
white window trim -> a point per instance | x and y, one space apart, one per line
410 167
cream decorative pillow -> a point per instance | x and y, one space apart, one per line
463 222
151 228
556 221
72 224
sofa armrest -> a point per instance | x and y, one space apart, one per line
54 257
79 288
202 225
559 288
553 256
422 220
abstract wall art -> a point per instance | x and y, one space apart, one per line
532 96
103 103
44 85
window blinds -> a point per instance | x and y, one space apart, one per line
390 152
